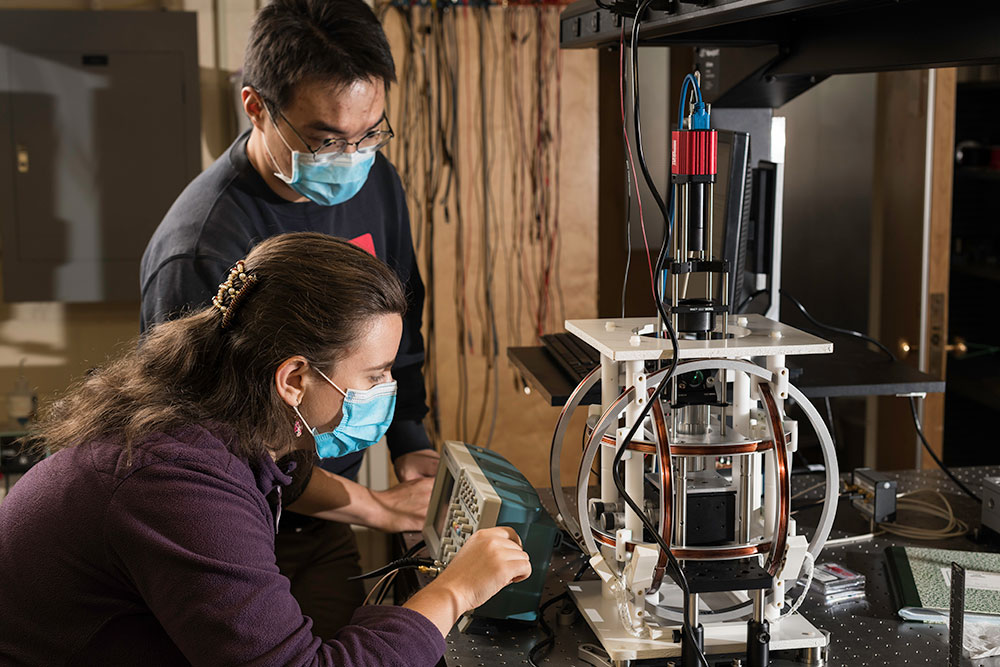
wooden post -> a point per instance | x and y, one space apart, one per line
911 241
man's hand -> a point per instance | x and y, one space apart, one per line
404 506
334 498
421 463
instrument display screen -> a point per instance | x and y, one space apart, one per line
441 514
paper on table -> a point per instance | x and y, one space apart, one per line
981 640
975 579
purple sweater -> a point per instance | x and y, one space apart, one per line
167 561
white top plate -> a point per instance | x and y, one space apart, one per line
753 336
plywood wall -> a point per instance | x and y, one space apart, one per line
494 401
60 342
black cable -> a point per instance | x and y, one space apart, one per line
679 577
829 418
818 503
412 551
746 302
628 230
635 109
938 461
550 636
564 539
398 563
913 403
845 332
628 171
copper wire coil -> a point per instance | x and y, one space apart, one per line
666 492
721 450
728 553
681 449
774 549
691 553
635 445
777 553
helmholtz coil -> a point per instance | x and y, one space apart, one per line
710 464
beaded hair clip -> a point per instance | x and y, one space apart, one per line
236 285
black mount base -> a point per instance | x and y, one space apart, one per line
758 640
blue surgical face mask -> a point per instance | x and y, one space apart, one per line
325 179
366 417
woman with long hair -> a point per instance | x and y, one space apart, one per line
147 534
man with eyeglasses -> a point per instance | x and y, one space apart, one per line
315 74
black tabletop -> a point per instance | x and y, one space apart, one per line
851 370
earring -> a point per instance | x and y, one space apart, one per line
297 426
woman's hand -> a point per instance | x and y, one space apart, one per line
489 560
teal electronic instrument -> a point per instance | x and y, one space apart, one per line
476 488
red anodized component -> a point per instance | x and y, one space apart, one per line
694 152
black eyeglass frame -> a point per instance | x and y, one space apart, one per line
331 141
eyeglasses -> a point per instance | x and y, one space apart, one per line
367 144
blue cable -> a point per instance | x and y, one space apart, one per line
680 108
699 107
697 86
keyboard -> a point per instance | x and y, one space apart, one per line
574 357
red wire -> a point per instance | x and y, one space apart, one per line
628 148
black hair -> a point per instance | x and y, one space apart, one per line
339 41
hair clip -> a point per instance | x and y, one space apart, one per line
232 290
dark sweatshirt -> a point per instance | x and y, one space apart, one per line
168 560
228 209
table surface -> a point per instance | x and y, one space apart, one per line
864 632
851 370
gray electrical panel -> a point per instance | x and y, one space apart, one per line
99 133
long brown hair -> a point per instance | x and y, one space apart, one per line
313 296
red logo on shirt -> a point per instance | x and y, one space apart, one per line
365 242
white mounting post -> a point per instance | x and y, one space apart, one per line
609 392
635 376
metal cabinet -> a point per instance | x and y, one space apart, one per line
99 133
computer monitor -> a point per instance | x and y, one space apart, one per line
731 202
761 241
731 208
